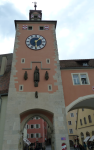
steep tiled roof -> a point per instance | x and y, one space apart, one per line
78 63
4 80
64 64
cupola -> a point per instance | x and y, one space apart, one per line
35 15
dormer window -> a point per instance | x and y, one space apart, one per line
85 64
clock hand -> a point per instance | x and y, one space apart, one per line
37 40
35 43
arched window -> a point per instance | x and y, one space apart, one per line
81 121
85 120
71 143
89 119
82 134
92 132
87 133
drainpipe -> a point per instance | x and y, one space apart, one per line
6 94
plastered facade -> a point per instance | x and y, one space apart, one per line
88 127
49 101
75 94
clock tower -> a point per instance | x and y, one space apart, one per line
35 83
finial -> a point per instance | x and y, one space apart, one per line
35 4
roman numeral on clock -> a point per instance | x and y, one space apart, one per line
28 45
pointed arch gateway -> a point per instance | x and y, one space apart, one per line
27 115
44 114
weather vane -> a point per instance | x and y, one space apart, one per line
35 4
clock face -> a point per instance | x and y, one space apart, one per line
35 42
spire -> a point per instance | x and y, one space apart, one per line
35 4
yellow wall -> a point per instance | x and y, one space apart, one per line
73 126
79 114
89 127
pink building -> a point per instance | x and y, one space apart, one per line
37 131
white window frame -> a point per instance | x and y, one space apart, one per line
33 126
38 118
20 87
69 124
48 87
41 26
30 26
72 131
47 61
28 136
22 61
28 126
72 113
38 126
38 135
88 82
33 135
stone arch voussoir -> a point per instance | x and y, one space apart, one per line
23 123
72 105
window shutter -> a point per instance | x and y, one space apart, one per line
34 125
39 125
35 135
39 135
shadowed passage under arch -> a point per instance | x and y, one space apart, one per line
44 114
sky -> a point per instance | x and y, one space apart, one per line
74 31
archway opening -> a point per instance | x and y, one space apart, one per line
71 143
36 128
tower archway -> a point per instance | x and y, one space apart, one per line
43 114
81 102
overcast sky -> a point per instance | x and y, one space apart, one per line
75 24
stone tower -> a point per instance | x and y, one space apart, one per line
35 82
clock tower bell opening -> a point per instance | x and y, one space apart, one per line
35 15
